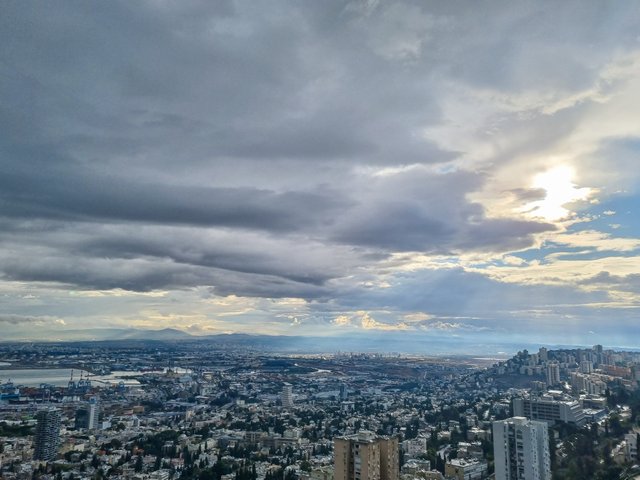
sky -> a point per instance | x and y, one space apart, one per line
437 169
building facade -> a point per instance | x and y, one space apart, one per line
521 449
550 410
47 437
553 373
87 416
287 395
365 456
466 469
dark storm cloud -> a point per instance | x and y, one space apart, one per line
419 211
147 274
292 261
245 80
143 258
74 191
406 227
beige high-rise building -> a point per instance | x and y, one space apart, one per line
553 373
365 456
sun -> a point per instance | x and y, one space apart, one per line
560 190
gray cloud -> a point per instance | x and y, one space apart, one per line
419 211
528 194
77 193
629 283
280 150
455 292
25 319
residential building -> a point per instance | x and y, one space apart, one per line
47 438
543 354
548 409
586 366
521 449
344 392
365 456
287 395
465 469
553 373
87 415
631 447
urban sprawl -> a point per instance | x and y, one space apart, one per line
171 410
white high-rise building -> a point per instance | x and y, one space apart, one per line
87 415
287 395
553 373
521 449
586 366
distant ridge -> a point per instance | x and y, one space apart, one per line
429 344
104 334
164 334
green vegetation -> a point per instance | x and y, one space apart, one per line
7 430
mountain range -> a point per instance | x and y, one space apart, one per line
373 342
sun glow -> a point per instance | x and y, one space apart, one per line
560 191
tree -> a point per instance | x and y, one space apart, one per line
291 475
615 425
606 454
186 455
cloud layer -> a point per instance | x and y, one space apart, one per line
320 166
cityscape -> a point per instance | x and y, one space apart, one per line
184 410
319 240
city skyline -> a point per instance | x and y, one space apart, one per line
428 169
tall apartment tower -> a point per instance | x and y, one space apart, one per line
287 395
521 449
365 456
87 415
553 373
344 393
543 354
586 366
47 435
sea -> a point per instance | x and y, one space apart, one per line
33 377
59 377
